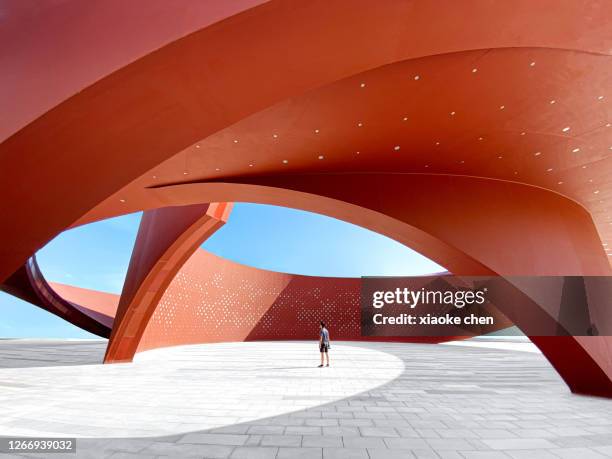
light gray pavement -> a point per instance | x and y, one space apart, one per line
22 353
267 400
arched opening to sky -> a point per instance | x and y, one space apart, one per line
96 256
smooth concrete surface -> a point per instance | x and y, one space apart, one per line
268 399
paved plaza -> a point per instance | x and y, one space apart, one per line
268 400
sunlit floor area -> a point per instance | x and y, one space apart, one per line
269 400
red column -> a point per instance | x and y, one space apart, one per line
166 238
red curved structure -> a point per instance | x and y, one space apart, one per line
216 300
211 299
90 310
484 144
166 238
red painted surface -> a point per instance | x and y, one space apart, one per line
44 64
470 225
399 99
101 306
214 300
211 299
166 239
580 360
29 284
157 106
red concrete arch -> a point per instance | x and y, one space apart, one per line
219 74
467 224
437 215
168 237
90 310
228 80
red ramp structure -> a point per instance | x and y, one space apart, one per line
484 144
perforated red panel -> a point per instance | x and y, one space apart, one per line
213 299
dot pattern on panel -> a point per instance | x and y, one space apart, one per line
212 299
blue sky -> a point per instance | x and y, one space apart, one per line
96 256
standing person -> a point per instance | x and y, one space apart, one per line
323 343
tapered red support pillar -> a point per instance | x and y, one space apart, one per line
166 238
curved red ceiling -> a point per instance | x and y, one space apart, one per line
290 67
529 115
51 50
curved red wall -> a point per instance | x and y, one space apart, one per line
212 299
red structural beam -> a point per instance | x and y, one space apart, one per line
486 151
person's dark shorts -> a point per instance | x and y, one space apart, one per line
324 347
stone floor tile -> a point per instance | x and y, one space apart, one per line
407 400
483 455
380 453
519 443
345 453
254 452
582 453
281 440
300 453
379 432
322 441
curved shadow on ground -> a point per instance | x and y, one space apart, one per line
446 398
